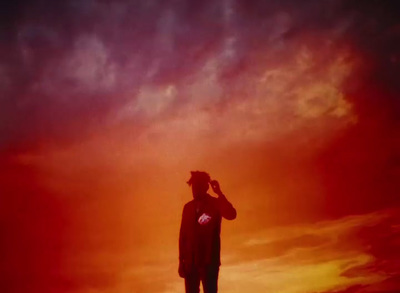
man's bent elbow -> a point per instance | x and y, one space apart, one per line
231 215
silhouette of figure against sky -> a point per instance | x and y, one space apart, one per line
199 237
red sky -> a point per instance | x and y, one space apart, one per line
107 107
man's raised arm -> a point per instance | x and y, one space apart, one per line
226 208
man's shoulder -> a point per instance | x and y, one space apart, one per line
210 199
189 204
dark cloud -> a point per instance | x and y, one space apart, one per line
70 64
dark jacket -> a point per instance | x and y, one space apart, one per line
199 237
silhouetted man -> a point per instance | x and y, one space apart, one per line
199 237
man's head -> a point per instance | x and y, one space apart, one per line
199 182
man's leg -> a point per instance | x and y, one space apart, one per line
192 282
210 280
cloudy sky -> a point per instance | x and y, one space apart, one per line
106 107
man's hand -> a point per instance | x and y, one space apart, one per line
181 270
215 187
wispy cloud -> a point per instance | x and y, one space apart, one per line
325 256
